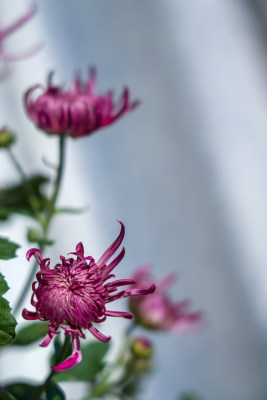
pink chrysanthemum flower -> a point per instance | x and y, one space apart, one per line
73 295
158 312
5 32
78 111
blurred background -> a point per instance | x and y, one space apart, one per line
186 172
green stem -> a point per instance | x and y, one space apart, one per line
48 218
62 355
103 385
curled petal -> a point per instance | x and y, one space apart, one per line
29 315
74 359
36 253
138 292
113 248
98 335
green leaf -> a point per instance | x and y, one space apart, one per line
7 321
23 391
91 364
30 333
7 249
16 198
54 392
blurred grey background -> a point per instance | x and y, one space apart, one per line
186 172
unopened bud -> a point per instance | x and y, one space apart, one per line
142 348
6 137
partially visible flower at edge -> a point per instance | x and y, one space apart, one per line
74 294
158 312
75 112
5 32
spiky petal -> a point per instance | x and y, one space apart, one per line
73 295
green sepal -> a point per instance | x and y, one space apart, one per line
92 363
7 249
30 333
7 321
54 392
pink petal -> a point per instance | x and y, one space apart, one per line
36 253
74 359
47 339
98 335
29 315
114 263
138 292
113 248
123 314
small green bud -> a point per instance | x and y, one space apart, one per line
32 235
142 348
6 138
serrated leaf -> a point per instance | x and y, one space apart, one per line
7 249
54 392
24 391
30 333
7 321
16 198
91 364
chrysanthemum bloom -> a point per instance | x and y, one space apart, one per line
5 32
74 294
78 111
158 311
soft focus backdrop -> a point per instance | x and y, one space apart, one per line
186 172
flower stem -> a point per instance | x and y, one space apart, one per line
59 358
103 385
48 216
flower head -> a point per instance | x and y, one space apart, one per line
78 111
158 312
73 295
5 32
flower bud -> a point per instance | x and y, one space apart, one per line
142 348
6 137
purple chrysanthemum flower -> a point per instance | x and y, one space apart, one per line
74 294
158 312
78 111
5 32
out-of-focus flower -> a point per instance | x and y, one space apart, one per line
139 358
78 111
5 32
74 294
158 311
6 137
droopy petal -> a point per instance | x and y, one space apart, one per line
139 292
74 359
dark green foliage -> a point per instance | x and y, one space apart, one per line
54 392
23 391
24 198
30 333
7 321
7 249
